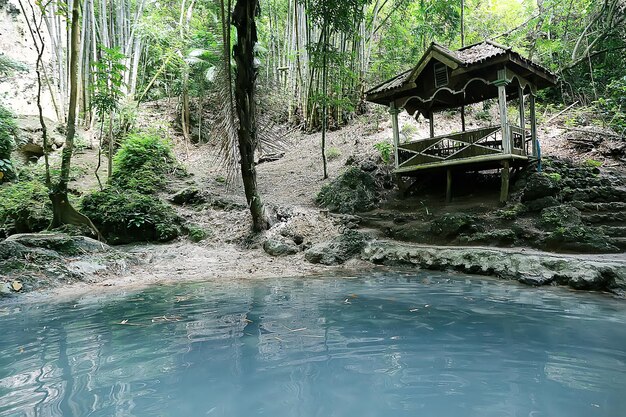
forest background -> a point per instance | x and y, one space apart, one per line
315 59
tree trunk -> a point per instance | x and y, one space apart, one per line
246 73
62 210
324 97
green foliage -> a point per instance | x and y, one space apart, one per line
353 191
125 216
613 105
143 163
554 176
333 153
108 81
385 149
24 207
511 213
592 163
197 234
8 132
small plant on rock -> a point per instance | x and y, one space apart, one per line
385 149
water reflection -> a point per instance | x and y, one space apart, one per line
392 345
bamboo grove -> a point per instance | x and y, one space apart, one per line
315 57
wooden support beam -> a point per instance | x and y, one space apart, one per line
506 134
463 118
504 188
431 121
448 185
533 125
396 131
522 118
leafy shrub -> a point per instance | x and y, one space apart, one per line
511 213
385 150
143 163
8 132
24 207
352 191
197 234
125 216
333 153
613 105
592 163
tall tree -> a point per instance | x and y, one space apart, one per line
243 19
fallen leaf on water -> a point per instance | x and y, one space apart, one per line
123 321
162 319
413 310
16 285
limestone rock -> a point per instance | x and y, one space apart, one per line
280 247
559 216
538 186
534 268
452 224
579 239
190 195
338 250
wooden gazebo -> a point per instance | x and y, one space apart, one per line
445 79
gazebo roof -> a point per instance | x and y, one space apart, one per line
459 69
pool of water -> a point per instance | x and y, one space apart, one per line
430 345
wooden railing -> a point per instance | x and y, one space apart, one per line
471 145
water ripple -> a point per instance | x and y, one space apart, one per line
382 345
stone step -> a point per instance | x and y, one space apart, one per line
604 218
586 206
620 242
615 231
596 194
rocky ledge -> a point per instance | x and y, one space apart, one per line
582 272
42 260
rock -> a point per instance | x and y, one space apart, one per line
187 196
534 268
30 143
368 166
539 185
559 216
579 239
493 237
452 224
85 267
541 203
59 242
280 247
338 250
5 289
535 280
351 192
596 194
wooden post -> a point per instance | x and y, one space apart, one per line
522 117
533 125
448 185
504 188
396 131
431 121
501 83
506 139
462 118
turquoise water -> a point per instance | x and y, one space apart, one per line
428 345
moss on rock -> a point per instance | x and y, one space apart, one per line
353 191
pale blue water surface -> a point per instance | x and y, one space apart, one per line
427 344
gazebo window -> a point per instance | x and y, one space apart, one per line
441 75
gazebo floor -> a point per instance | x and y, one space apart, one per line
479 163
